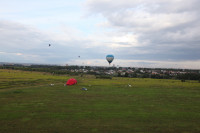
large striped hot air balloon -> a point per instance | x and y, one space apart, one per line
109 58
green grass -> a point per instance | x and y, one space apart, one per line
109 105
14 79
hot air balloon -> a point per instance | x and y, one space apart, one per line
109 58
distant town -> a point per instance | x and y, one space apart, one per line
108 72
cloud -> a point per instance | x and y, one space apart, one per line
31 45
19 54
162 30
135 32
15 36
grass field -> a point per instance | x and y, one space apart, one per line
29 104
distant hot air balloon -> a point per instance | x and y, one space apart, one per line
49 45
109 58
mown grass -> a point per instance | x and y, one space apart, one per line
109 105
16 78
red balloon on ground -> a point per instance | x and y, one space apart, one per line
71 81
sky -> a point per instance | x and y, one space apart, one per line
139 33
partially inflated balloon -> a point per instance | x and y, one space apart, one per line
109 58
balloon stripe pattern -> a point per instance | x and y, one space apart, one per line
109 58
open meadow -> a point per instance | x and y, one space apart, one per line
29 104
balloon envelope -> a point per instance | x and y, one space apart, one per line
109 58
71 81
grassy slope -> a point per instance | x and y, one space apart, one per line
13 79
150 105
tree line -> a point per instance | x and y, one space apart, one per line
67 70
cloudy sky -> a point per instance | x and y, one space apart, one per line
139 33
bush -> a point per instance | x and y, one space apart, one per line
104 77
182 80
